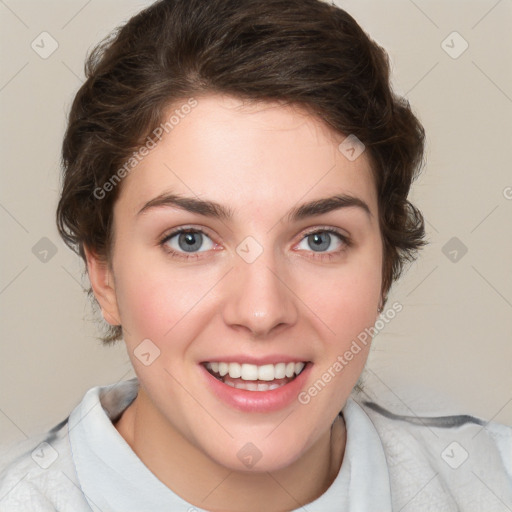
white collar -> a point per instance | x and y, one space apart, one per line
113 478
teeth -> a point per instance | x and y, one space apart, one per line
235 370
223 369
250 372
299 367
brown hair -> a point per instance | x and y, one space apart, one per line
303 52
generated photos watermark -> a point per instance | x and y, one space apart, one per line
342 360
150 144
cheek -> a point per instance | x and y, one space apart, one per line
155 300
346 300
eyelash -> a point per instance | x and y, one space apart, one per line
192 256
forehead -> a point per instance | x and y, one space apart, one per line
262 155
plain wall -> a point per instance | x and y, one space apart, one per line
449 350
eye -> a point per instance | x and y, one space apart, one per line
187 240
323 240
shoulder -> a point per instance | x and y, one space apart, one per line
454 462
38 475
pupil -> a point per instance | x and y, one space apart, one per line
192 241
320 244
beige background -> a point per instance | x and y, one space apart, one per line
449 350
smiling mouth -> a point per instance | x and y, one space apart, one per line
251 377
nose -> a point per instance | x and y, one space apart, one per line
260 298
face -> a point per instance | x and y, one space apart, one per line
268 274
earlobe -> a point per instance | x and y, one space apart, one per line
102 282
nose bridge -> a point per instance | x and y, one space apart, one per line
258 296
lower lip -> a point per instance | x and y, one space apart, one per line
257 401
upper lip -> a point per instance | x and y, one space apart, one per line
258 361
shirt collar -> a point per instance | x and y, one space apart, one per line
113 478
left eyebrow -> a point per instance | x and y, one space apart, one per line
218 211
326 205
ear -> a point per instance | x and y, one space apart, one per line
102 282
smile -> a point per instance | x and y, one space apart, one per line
258 388
227 372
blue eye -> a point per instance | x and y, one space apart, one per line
187 241
321 240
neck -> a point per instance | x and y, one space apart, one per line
202 482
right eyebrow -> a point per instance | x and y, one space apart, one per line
218 211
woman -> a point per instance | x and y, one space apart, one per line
236 178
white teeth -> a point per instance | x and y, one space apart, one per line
280 371
266 372
250 372
235 370
223 369
299 367
252 386
290 369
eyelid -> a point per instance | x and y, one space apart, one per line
344 238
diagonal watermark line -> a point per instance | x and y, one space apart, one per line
431 225
304 195
13 279
76 14
280 423
13 487
302 301
14 218
483 427
492 81
414 497
198 301
302 507
14 423
485 15
192 192
81 491
215 488
79 77
497 497
484 218
422 280
14 14
199 403
422 78
14 76
493 287
424 14
73 277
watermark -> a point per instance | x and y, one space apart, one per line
507 192
150 144
454 455
249 455
352 148
44 455
44 45
44 250
249 249
304 397
454 45
146 352
454 249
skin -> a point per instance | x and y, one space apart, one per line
259 160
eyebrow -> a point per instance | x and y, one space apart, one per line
218 211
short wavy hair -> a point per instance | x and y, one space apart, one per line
307 53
